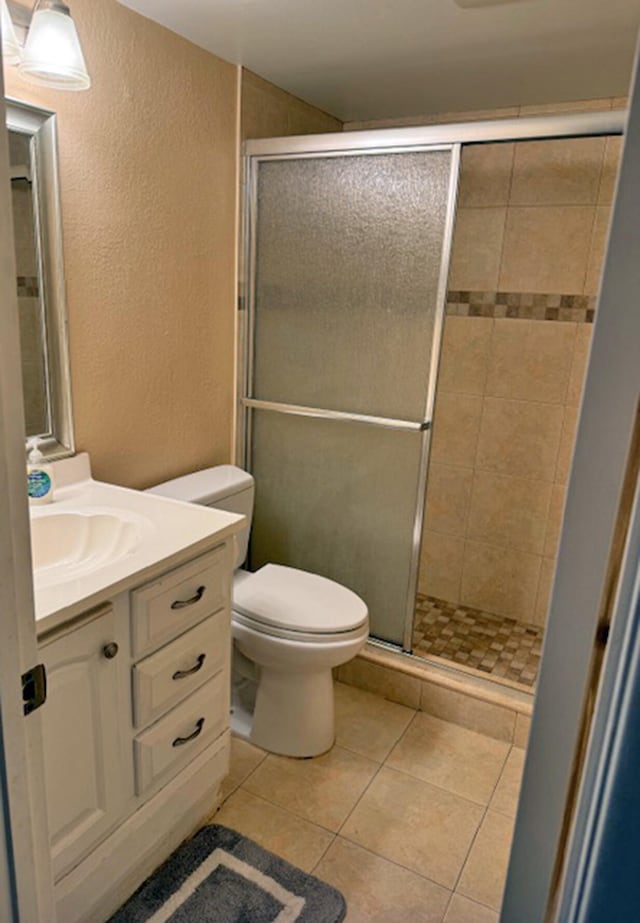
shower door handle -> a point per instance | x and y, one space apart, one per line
318 413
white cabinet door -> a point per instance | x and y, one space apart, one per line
83 763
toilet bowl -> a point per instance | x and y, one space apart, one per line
290 629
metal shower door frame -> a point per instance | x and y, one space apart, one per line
247 403
450 137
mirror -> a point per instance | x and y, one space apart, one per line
40 277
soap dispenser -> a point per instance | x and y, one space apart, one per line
39 475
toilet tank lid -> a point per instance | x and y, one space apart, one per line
207 486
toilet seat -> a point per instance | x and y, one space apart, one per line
290 603
271 631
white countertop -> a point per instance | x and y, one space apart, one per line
172 532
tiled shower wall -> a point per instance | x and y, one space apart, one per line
527 256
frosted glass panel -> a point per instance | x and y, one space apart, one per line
338 499
348 255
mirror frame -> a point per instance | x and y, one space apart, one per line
40 125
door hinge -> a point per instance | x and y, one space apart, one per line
34 688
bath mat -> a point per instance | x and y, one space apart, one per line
220 876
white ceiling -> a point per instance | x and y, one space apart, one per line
366 59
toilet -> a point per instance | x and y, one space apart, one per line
290 629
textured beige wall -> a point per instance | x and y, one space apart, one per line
148 167
532 218
269 112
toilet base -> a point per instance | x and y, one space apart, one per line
288 714
294 713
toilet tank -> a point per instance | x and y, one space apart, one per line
224 487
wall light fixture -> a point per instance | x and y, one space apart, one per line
52 55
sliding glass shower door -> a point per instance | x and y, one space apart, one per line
347 264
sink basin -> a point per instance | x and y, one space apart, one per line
66 545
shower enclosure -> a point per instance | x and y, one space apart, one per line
348 241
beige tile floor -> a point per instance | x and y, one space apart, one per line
409 816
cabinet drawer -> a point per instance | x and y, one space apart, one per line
165 608
165 678
170 743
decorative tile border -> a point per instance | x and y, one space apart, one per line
522 306
28 286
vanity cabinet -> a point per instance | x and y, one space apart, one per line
82 738
181 691
136 730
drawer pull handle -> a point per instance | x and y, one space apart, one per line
182 674
180 741
183 603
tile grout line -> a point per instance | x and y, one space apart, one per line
280 807
262 759
341 835
468 853
286 810
244 779
484 541
447 791
391 748
324 853
393 862
382 763
493 397
506 219
375 776
475 837
300 816
559 448
418 711
510 205
595 218
489 353
484 808
360 797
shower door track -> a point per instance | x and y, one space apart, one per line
399 140
381 141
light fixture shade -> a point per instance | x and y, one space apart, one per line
52 54
11 50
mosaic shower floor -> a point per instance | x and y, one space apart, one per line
501 647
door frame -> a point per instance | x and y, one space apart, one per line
586 615
601 860
387 140
24 842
